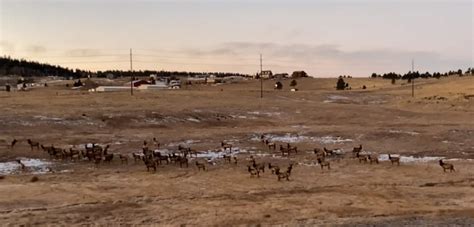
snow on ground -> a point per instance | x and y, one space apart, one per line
294 138
34 166
335 98
404 132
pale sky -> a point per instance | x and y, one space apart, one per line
323 37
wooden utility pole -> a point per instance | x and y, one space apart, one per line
413 79
131 73
261 77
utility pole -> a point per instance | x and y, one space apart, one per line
261 78
131 73
413 79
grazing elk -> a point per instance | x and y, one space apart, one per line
200 166
253 172
22 166
394 159
235 160
33 144
446 166
324 163
75 154
273 168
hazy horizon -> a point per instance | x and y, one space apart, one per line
324 38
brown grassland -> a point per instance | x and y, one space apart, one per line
384 118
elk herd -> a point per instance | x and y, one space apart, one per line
152 157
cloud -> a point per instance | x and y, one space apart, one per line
82 53
36 49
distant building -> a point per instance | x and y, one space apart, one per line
110 76
267 74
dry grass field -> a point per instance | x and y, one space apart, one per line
384 118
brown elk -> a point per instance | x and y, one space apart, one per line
373 158
123 159
150 164
357 149
394 159
282 175
253 172
227 158
226 146
33 144
324 163
273 168
362 157
12 144
22 166
446 166
200 166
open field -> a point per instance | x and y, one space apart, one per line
438 122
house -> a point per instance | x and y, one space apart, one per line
266 74
281 76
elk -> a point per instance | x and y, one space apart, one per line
270 145
33 144
150 164
108 157
74 154
394 159
226 146
362 157
273 168
12 144
446 166
137 156
22 166
373 158
183 161
227 158
156 143
258 166
324 163
357 150
235 160
159 158
200 166
282 175
253 172
123 159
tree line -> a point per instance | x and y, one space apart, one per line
25 68
414 75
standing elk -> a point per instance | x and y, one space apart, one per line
394 159
446 166
33 144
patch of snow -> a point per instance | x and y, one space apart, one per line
289 138
404 132
193 119
405 159
334 98
44 118
34 166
